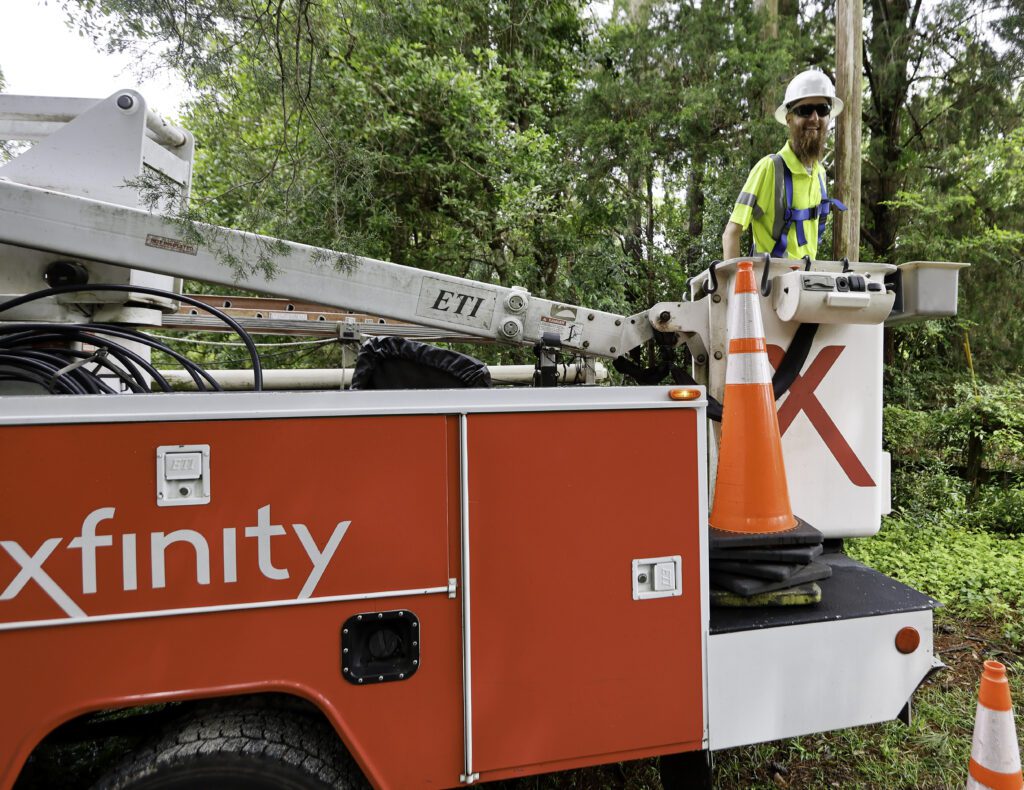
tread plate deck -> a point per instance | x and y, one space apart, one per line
854 590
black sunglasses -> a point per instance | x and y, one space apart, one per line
805 110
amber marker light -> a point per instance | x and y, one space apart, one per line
907 639
684 394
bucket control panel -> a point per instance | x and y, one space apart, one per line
831 298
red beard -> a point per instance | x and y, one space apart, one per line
808 144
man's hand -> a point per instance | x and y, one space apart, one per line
731 241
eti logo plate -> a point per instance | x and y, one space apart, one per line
461 304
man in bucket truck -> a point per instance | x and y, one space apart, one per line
784 197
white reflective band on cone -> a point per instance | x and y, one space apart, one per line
745 320
994 746
748 368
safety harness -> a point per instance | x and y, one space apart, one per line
800 215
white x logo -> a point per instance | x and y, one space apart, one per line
32 569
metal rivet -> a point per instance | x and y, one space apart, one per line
612 349
415 644
344 630
360 680
642 578
716 298
664 316
701 359
586 344
618 322
344 650
380 615
380 677
125 102
590 317
345 670
718 355
401 675
415 662
415 624
401 614
359 617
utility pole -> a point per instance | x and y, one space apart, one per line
849 68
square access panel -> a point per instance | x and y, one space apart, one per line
182 474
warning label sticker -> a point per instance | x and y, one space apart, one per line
173 245
568 331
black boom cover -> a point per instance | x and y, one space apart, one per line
394 363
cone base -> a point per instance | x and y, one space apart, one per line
803 534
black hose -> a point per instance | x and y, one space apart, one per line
74 333
45 371
65 334
257 369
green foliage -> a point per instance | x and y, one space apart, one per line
7 150
967 210
961 462
972 572
936 83
1000 509
957 532
668 122
593 162
514 142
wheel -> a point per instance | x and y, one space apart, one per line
687 771
248 748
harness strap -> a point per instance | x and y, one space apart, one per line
800 215
825 206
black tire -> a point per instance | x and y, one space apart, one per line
248 748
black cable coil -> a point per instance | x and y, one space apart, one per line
40 353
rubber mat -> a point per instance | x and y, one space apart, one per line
745 585
776 571
797 554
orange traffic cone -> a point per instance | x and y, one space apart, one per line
995 755
751 495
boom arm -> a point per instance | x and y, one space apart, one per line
69 226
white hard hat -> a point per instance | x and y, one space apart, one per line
804 85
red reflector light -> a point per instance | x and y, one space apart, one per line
908 640
684 394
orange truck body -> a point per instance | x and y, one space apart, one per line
110 600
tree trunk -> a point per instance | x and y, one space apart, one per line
695 209
887 58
